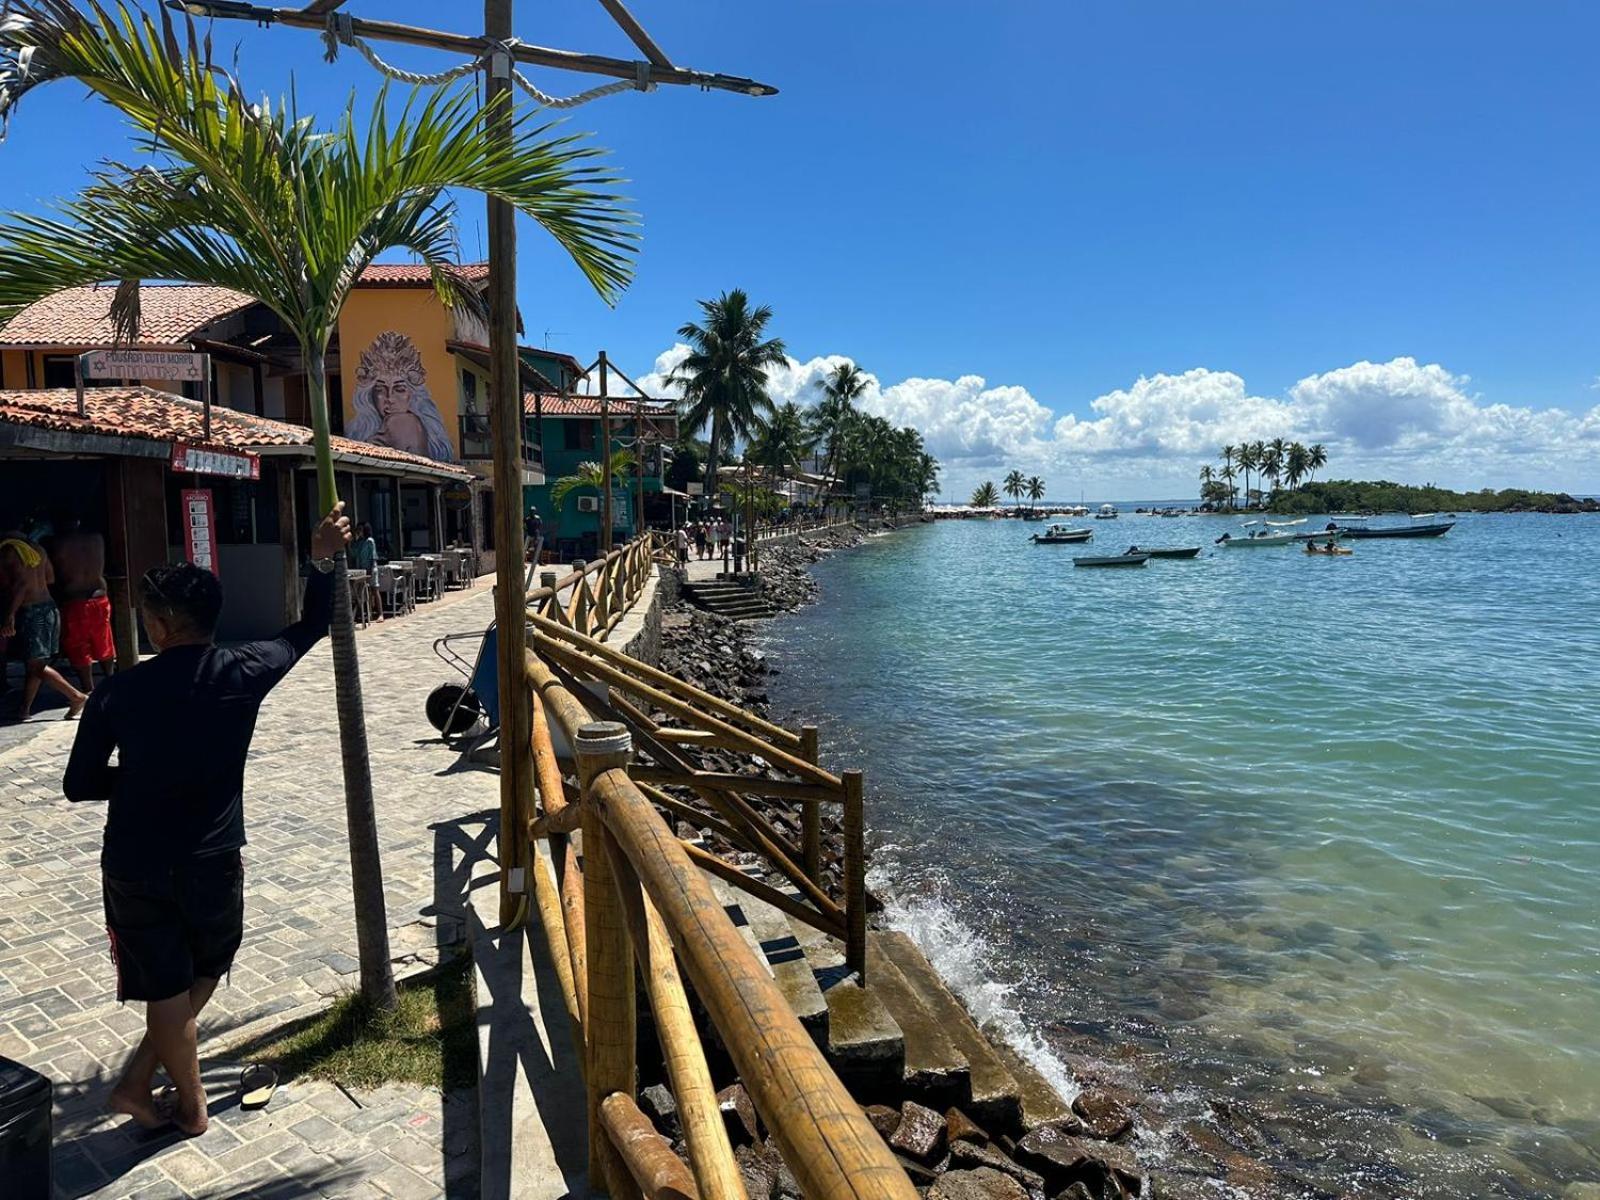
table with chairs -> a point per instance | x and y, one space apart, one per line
395 587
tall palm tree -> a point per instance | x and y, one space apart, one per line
1316 459
1230 473
724 376
1207 475
1035 490
1278 457
247 196
785 440
1271 465
984 496
1015 485
845 384
1295 464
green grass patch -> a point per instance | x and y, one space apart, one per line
429 1039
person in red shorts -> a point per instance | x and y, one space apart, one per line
79 558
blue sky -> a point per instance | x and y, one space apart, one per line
1091 240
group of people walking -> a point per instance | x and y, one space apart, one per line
54 604
709 538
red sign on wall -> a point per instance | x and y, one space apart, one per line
199 528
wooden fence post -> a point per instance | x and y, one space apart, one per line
810 813
602 746
855 875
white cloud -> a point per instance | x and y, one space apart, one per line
1397 419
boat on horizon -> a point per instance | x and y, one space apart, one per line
1061 534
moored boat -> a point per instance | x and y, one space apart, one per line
1061 534
1108 512
1427 529
1112 560
1166 551
1257 537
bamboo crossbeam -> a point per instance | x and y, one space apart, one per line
539 56
704 1133
673 684
546 771
659 1172
547 898
824 1137
694 816
753 785
567 820
779 900
599 668
687 737
569 712
570 877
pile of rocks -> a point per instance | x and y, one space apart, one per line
948 1155
785 569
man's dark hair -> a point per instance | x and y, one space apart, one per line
185 595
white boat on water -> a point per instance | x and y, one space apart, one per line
1108 512
1258 537
1061 534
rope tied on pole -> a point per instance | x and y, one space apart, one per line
339 30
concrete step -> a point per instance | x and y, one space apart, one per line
994 1103
865 1045
1041 1102
531 1101
936 1072
784 955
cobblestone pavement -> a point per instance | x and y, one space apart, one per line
58 1011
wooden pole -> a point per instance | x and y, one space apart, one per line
820 1130
810 812
606 519
539 56
638 464
610 1024
659 1172
505 403
855 875
705 1134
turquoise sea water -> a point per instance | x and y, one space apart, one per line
1318 838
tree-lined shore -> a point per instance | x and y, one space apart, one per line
1346 495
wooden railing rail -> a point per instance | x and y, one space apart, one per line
601 592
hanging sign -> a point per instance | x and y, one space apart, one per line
205 460
199 527
144 364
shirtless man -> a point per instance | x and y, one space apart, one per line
30 617
79 559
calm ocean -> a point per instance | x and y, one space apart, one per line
1316 837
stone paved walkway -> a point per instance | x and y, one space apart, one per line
57 1009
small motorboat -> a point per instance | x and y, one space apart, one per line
1257 537
1108 512
1427 529
1166 551
1112 560
1061 534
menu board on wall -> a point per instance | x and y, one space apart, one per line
199 528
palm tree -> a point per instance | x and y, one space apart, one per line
242 195
1015 485
1229 459
591 475
724 376
984 496
785 440
1229 473
831 421
1278 457
1316 459
1035 490
1271 465
1207 476
1295 464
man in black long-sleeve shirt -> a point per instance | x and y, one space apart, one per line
181 725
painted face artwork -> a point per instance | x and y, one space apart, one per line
391 400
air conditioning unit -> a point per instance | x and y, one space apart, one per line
588 503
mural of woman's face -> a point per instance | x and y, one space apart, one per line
391 395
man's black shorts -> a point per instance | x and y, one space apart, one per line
171 928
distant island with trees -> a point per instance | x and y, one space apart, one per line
1284 465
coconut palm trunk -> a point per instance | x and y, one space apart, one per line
360 806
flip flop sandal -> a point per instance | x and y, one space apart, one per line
256 1085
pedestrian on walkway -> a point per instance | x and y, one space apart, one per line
29 615
700 540
681 540
170 866
78 557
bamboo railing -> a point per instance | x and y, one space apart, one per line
639 899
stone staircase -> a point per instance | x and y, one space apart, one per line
905 1035
729 598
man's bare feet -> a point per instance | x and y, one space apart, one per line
191 1123
141 1106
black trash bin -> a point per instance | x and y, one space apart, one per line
24 1132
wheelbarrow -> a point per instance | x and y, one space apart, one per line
454 709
